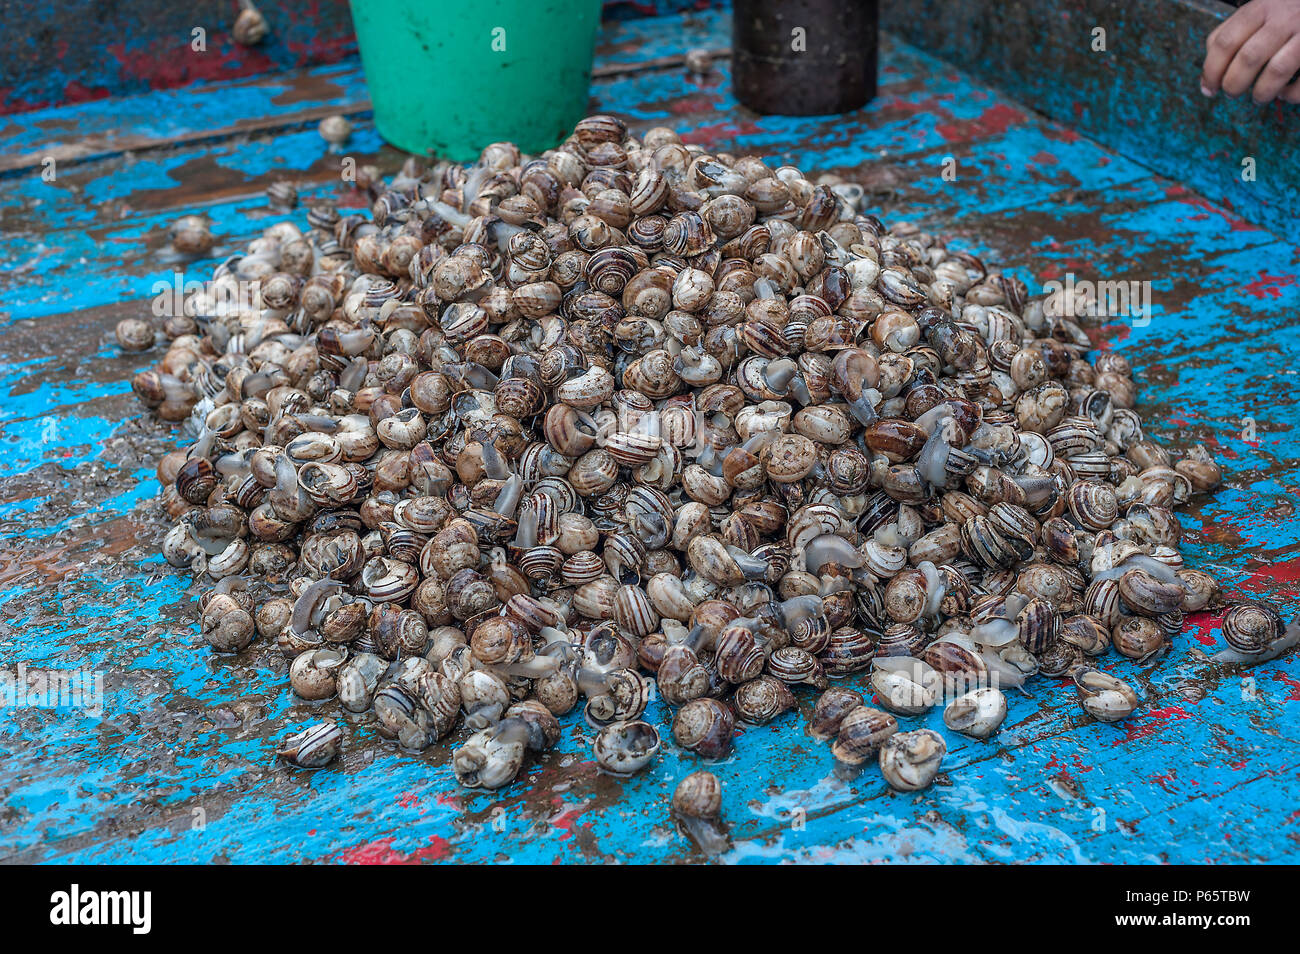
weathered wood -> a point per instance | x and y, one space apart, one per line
1139 94
59 53
179 764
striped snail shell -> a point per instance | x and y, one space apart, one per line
849 650
1251 628
797 666
862 731
704 726
313 747
829 713
762 699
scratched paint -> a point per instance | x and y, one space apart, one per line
1139 96
179 766
147 45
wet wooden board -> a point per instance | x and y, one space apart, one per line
55 54
1127 75
179 765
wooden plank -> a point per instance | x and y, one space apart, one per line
1139 95
178 766
59 53
53 54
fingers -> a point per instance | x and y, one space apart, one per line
1222 45
1292 93
1251 59
1279 72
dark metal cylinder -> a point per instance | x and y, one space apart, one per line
804 57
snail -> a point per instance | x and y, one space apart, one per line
624 748
697 808
335 130
909 761
977 713
1255 633
633 422
492 757
313 747
1103 696
250 26
862 732
191 235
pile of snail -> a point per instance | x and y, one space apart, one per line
633 417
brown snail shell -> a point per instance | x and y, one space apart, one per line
1251 628
862 732
762 699
832 706
704 726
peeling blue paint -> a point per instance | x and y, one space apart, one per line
171 771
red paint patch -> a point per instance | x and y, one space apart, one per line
381 852
1153 722
1289 681
1203 624
567 823
356 199
75 92
1064 133
1103 337
1235 222
1285 574
689 105
994 121
715 132
1269 286
1043 158
1165 781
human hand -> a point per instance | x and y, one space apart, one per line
1259 44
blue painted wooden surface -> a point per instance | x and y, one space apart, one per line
1134 86
179 765
150 44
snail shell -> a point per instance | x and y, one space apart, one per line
1103 696
492 757
862 732
625 748
978 713
698 795
848 651
905 685
832 706
313 747
625 696
704 726
681 676
797 666
761 700
314 675
909 761
1146 594
1251 628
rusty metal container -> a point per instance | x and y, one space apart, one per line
804 57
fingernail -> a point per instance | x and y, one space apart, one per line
1207 92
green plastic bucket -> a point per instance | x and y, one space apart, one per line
449 78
